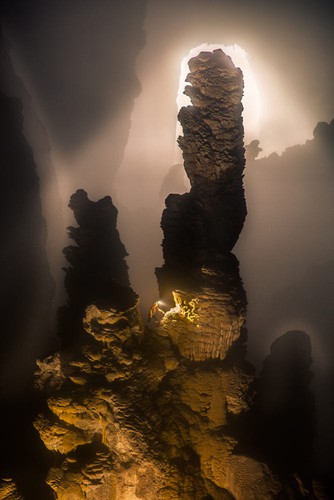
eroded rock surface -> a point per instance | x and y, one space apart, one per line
133 418
143 412
8 490
206 223
157 411
97 270
210 308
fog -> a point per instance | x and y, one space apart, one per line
285 117
84 65
286 257
103 79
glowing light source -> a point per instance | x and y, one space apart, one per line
185 307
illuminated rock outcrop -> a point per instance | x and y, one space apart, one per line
159 411
96 419
130 413
206 223
128 419
8 490
210 308
133 412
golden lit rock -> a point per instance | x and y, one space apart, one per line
8 490
248 479
109 325
59 437
152 412
208 315
135 419
49 373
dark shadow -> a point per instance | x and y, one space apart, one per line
98 273
80 59
286 405
205 223
26 293
282 421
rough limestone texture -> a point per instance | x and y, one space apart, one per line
145 412
8 490
212 142
135 412
126 418
250 480
209 313
97 270
91 423
206 223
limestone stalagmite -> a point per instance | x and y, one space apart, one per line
206 222
201 227
210 308
97 270
126 417
152 412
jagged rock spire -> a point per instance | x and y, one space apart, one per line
205 223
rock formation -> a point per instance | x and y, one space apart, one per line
281 424
285 405
109 420
97 271
26 291
206 223
127 415
157 411
201 227
136 412
26 288
200 282
208 308
8 490
252 150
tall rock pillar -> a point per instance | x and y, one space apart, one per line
205 223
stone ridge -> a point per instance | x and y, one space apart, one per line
126 417
97 271
210 309
212 139
206 223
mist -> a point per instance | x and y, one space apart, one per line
88 69
286 258
99 85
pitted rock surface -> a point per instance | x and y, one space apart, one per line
206 223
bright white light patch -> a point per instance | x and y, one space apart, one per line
251 99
